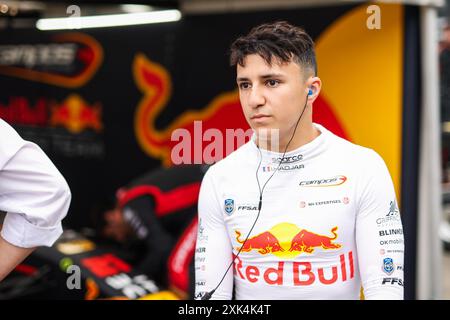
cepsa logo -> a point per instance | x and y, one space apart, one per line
328 182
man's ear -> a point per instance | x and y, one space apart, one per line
314 87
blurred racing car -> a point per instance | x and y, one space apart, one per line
78 267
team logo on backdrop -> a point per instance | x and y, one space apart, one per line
65 60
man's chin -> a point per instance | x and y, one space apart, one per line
268 138
266 131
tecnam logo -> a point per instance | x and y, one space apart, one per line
329 182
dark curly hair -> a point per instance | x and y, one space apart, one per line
277 39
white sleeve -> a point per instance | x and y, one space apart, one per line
213 252
379 235
33 192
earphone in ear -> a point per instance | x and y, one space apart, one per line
310 92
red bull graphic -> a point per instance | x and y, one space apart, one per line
306 241
50 62
76 115
264 243
297 273
154 81
286 240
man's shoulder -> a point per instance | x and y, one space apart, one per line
356 152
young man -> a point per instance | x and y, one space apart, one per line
305 216
34 195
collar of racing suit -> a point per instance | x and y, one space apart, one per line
307 151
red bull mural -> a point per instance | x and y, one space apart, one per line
221 114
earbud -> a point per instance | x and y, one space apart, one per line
310 92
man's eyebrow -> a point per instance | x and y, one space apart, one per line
271 75
264 76
241 79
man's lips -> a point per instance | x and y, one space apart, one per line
259 116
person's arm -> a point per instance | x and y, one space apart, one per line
379 235
213 252
10 257
34 195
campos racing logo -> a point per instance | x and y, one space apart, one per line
330 182
229 206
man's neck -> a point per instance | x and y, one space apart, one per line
303 135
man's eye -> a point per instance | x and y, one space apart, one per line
272 83
244 85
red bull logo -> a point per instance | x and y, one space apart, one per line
286 240
264 243
306 241
76 115
302 273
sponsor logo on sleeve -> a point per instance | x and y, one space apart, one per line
229 206
388 266
392 281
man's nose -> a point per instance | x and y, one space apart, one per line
256 98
